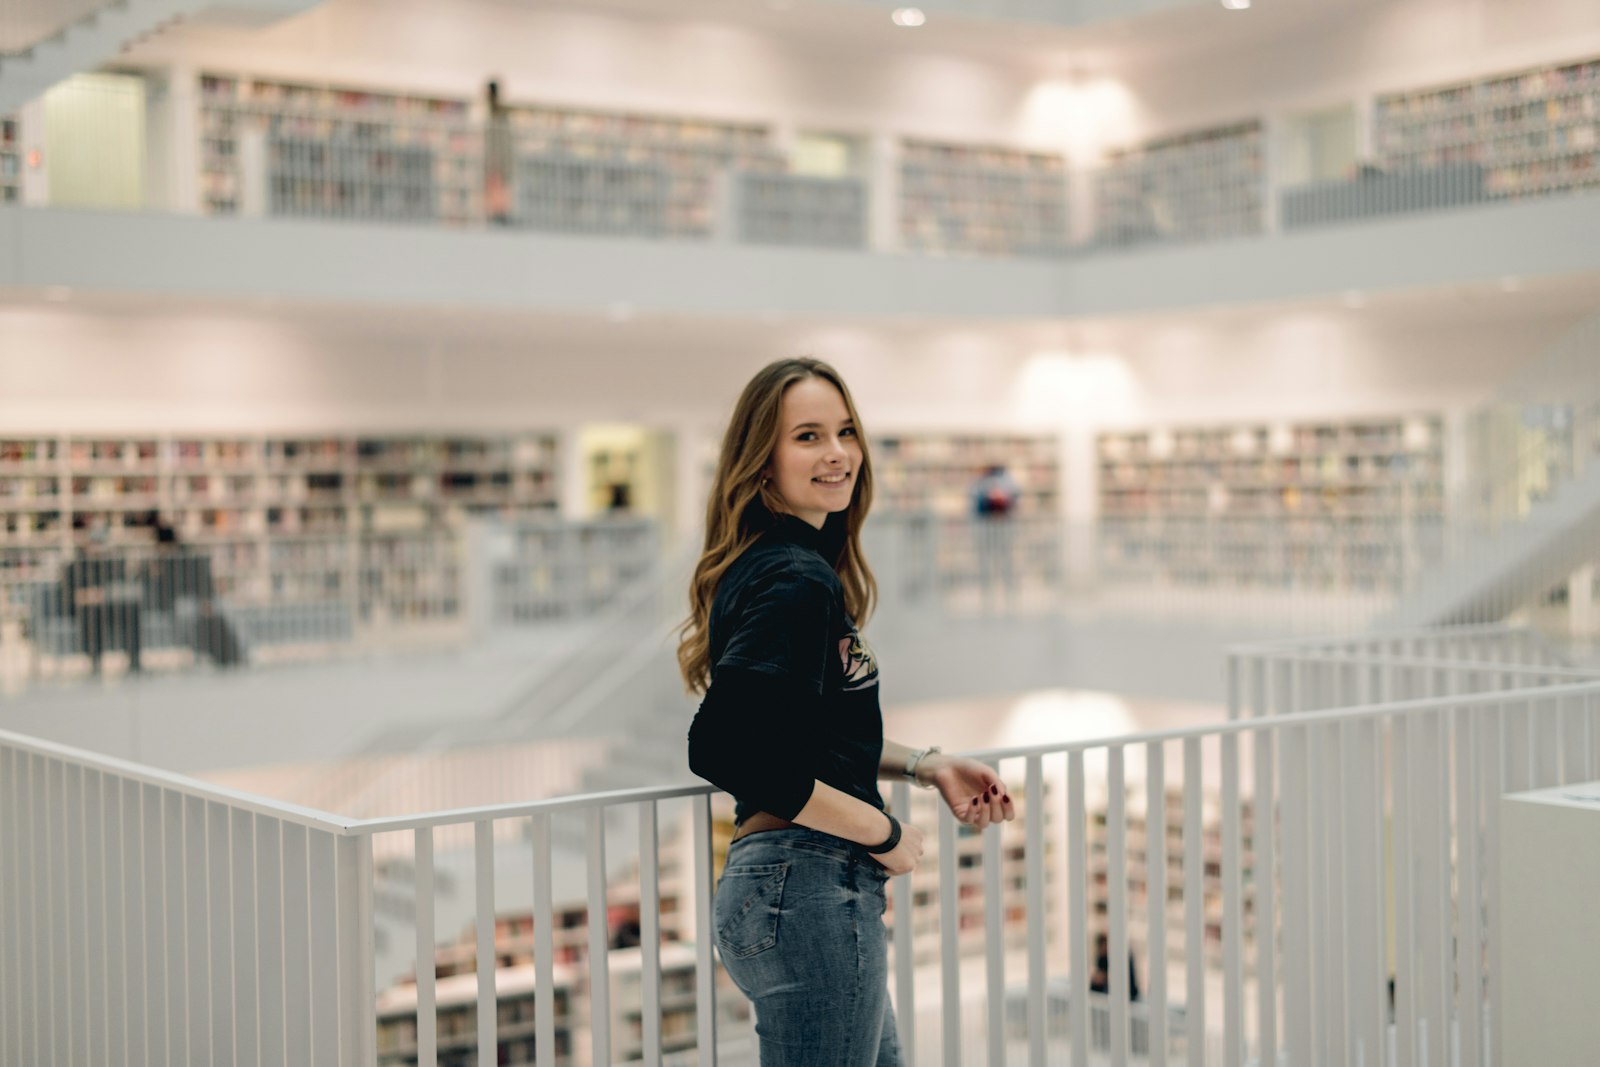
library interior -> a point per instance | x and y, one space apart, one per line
1228 373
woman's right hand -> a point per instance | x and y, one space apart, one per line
904 857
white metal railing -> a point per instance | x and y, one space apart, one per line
1249 865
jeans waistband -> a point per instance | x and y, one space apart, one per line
802 839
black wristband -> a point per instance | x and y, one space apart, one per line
893 840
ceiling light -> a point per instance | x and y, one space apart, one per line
1236 5
908 16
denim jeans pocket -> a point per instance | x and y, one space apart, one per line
747 905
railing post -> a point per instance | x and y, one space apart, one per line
359 1028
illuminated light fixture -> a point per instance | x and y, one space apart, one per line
908 16
1236 5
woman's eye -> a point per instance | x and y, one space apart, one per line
808 435
847 430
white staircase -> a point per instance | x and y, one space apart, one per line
93 40
1492 575
1532 517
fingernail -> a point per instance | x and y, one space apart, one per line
1007 799
975 800
994 789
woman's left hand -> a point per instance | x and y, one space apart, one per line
974 792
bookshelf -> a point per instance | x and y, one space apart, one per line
592 196
796 210
10 159
1346 505
455 969
283 518
456 1007
1194 186
984 200
337 152
627 173
971 907
1141 853
677 1001
934 472
1534 131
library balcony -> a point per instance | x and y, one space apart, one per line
1317 879
227 185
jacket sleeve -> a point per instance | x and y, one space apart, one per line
750 737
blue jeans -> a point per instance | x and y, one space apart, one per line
799 921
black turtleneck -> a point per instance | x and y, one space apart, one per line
794 689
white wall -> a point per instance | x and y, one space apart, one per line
1102 86
1354 53
291 368
692 68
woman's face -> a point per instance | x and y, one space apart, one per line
818 456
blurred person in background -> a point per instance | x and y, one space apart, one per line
497 158
95 592
994 496
179 584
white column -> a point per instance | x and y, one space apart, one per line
1272 170
172 131
1080 199
1080 501
1457 476
574 488
1580 601
1367 147
35 162
691 483
883 193
252 172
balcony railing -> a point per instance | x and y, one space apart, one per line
1262 873
260 148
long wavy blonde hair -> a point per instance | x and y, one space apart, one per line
742 506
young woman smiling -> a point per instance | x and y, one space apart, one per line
791 726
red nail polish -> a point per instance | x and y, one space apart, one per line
994 789
1007 799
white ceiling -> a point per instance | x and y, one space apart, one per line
858 25
24 23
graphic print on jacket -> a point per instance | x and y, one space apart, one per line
859 663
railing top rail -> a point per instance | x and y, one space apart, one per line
580 802
1297 719
1467 666
1470 630
551 806
309 817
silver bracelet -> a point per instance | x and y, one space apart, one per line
916 758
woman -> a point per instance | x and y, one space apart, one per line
790 725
